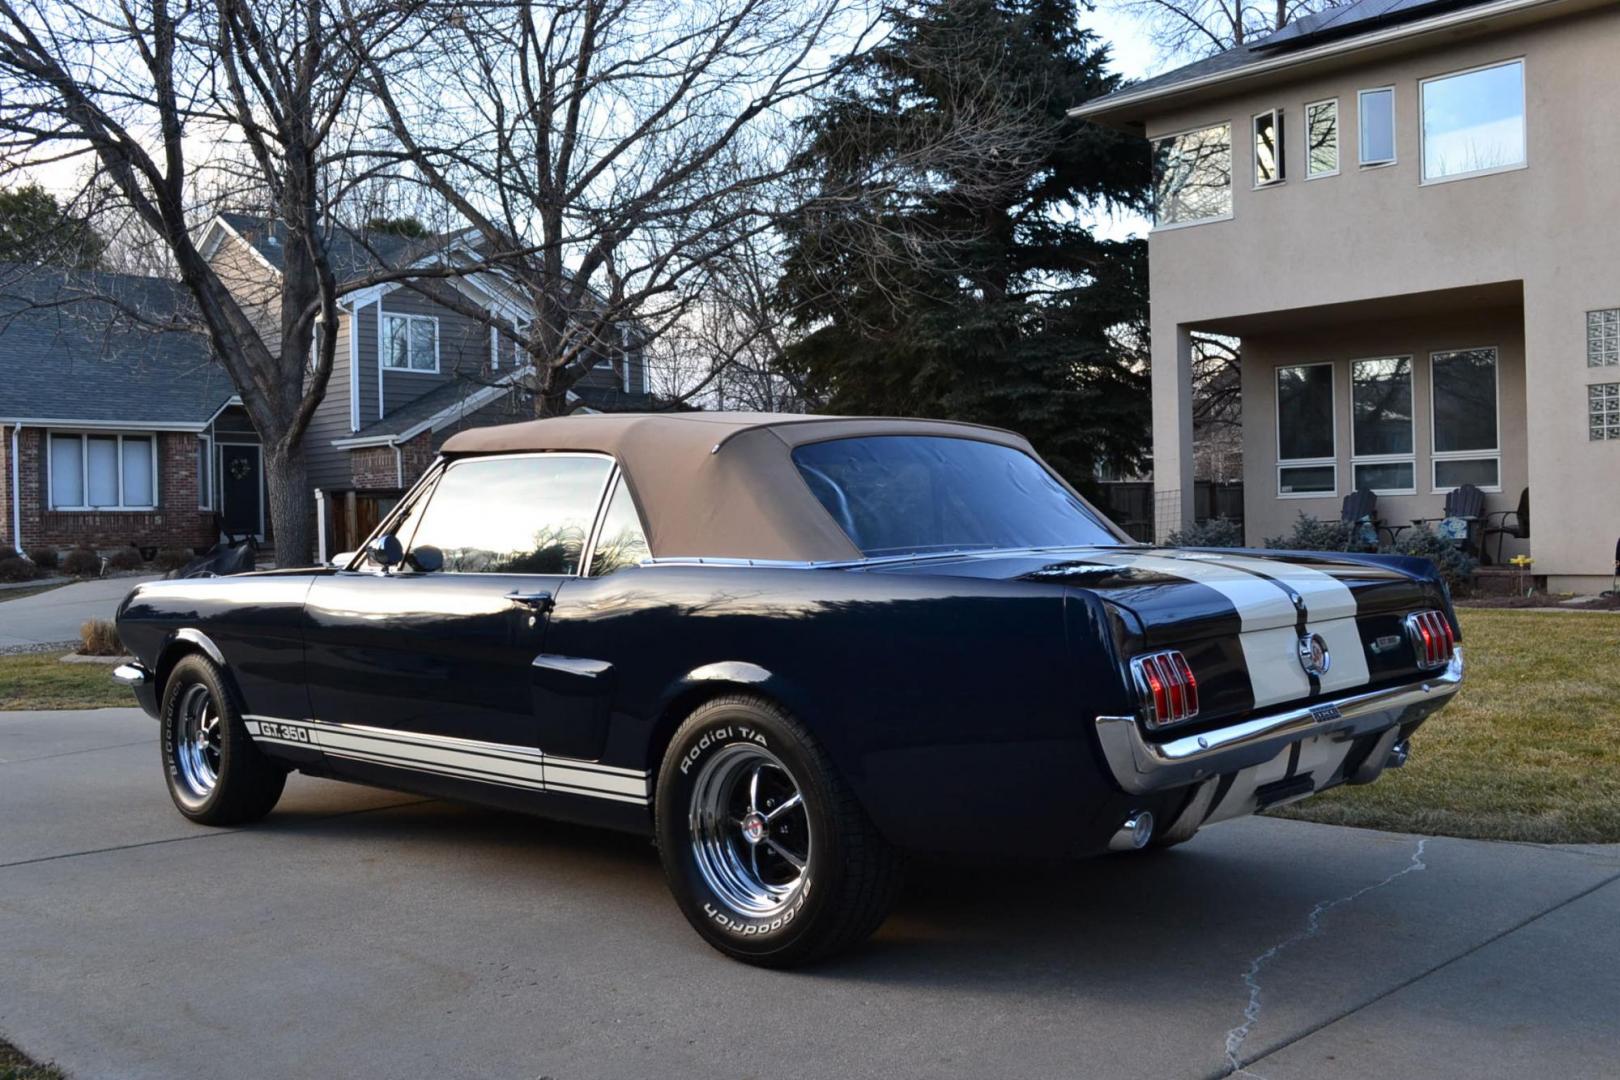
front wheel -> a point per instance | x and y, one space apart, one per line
216 776
770 857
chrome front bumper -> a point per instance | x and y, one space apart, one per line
131 675
1141 766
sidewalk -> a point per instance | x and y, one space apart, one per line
56 616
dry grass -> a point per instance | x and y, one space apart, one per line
14 1066
99 637
39 680
1529 750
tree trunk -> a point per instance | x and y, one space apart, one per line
288 497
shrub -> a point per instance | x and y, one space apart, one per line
99 637
10 553
1311 534
125 558
1455 565
81 562
14 568
172 558
1217 532
46 558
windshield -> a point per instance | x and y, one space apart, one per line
914 494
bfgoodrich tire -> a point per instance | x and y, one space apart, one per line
216 776
769 855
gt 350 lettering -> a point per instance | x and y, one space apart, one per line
286 732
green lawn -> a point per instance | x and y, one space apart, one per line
42 681
1528 750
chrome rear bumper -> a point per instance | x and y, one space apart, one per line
1140 766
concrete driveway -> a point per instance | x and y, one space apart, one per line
366 934
55 616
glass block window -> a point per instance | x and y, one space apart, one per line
1603 338
1603 411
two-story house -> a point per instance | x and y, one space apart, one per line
1408 213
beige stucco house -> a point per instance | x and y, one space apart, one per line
1409 213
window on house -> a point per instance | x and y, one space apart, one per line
1269 163
410 342
1306 461
1377 108
102 472
1381 426
1603 338
1322 138
1192 176
1463 394
1473 122
1603 411
205 473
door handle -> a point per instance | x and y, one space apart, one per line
536 601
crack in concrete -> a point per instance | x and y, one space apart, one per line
1313 927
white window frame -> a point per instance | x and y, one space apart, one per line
1361 124
1437 456
1282 149
1338 139
205 481
384 352
1230 180
1316 462
1524 116
84 471
1385 459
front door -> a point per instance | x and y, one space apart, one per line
447 657
241 502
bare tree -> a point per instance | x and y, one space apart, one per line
607 153
179 109
1187 29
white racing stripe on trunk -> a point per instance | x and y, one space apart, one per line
1325 596
1259 604
465 759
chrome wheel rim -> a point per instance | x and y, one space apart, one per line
750 832
196 741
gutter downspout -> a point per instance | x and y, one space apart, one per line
399 467
16 490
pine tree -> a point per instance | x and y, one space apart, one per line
943 265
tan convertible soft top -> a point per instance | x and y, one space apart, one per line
718 484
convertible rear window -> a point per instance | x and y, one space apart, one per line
906 494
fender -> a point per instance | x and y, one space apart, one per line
195 637
742 673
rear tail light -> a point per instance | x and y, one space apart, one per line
1432 638
1166 686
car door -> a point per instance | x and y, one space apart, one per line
449 654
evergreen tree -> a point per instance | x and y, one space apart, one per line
34 228
943 265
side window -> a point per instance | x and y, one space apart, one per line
514 515
622 542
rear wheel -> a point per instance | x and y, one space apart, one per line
216 776
768 854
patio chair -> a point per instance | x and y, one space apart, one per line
1360 513
1465 509
1508 524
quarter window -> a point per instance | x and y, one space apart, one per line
1192 176
1603 411
1466 450
1377 108
1306 462
622 541
1269 162
410 342
514 515
1603 338
103 472
1381 425
1473 122
1322 138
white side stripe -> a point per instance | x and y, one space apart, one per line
465 759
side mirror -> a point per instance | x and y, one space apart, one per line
385 551
426 559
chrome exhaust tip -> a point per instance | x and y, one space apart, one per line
1134 834
1398 754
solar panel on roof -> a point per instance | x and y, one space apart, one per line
1350 18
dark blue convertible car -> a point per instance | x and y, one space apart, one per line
791 648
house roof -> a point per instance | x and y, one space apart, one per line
71 352
353 251
1325 35
718 484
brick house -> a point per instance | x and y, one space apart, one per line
113 433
